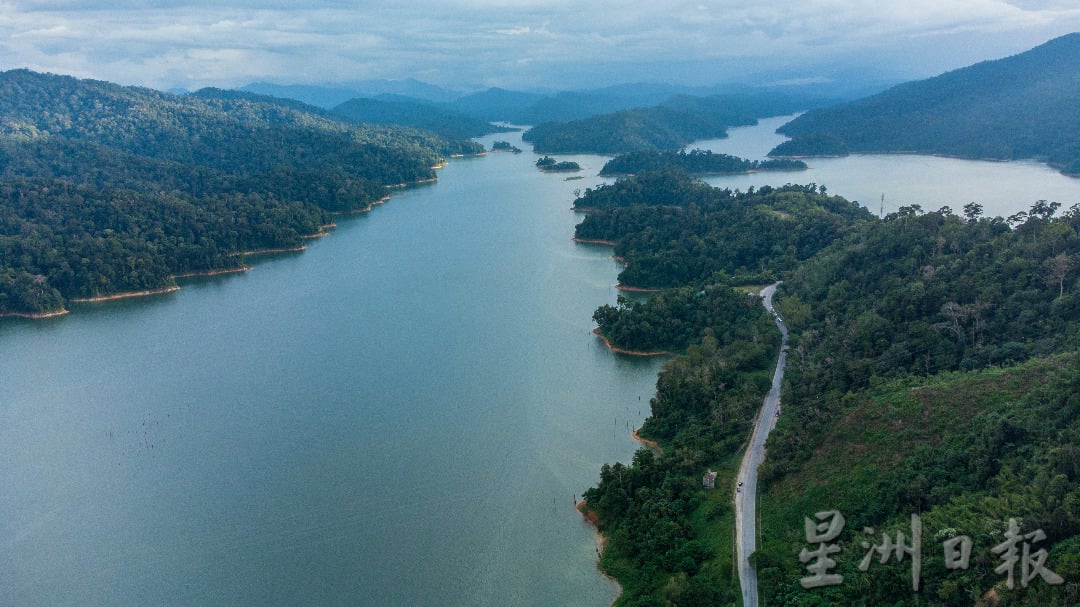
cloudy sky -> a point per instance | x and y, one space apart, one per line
520 44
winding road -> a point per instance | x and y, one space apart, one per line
746 493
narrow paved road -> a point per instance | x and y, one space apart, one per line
746 495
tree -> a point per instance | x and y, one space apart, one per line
1057 268
972 211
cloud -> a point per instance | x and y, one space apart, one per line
519 43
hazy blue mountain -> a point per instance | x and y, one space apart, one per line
408 87
446 123
321 96
327 96
1023 106
495 104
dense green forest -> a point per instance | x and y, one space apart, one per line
695 162
932 370
504 146
1024 106
550 165
108 189
671 125
673 230
814 144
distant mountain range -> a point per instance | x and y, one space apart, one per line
503 105
1024 106
329 96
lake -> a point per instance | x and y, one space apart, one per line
403 414
1003 188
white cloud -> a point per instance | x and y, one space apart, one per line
229 42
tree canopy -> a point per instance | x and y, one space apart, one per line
932 370
108 189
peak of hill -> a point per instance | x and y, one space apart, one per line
1023 106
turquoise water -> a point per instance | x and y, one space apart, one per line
401 415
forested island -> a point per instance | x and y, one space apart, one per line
1024 106
932 370
695 162
548 164
107 189
504 146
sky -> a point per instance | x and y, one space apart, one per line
522 45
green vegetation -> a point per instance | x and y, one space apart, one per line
673 230
674 319
107 189
932 370
625 131
666 537
550 165
1025 106
504 146
696 162
669 126
816 144
966 451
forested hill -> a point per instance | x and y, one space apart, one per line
932 370
107 189
668 126
1024 106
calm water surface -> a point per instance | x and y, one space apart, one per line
401 415
1003 188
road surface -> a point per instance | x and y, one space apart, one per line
746 494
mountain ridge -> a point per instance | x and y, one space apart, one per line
1021 106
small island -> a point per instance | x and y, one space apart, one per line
504 146
548 164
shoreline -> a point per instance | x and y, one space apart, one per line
367 209
591 518
323 231
213 272
651 444
599 241
36 315
302 247
125 295
629 289
733 173
411 183
619 350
